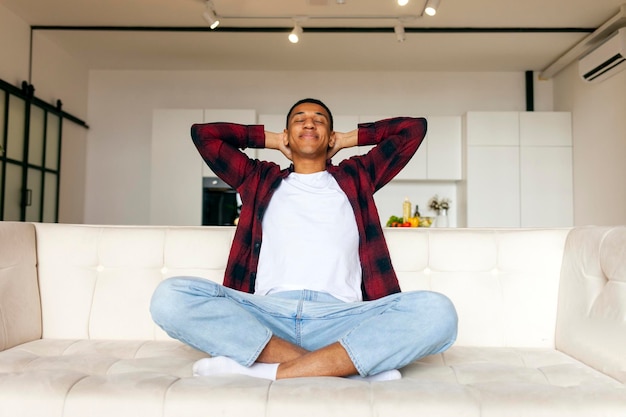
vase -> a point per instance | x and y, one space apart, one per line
442 219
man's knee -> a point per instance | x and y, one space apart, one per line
173 294
162 300
438 308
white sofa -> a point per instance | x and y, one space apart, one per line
542 327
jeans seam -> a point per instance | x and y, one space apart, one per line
298 323
355 362
257 353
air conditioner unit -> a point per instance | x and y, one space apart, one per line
605 60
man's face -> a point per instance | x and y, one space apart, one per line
308 132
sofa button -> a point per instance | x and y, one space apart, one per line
100 268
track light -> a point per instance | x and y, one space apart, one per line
431 7
399 30
296 33
403 2
210 16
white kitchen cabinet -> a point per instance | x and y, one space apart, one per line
534 190
493 186
546 185
443 147
176 169
492 128
545 129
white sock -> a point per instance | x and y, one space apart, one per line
221 365
383 376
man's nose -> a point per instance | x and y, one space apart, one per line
308 122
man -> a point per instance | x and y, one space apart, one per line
309 289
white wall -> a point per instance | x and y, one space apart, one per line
14 41
121 105
55 75
599 145
112 160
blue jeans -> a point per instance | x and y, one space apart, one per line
379 335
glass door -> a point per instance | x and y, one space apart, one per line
14 193
30 136
52 160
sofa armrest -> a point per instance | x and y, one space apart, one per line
20 306
591 322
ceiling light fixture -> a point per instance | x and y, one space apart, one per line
403 2
210 16
296 33
431 7
399 30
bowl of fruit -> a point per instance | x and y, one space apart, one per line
416 221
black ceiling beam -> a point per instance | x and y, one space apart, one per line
254 29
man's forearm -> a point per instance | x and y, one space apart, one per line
273 140
347 139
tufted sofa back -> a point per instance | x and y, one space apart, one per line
96 282
591 322
503 282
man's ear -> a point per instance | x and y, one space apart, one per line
286 137
331 139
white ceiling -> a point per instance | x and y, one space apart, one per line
436 46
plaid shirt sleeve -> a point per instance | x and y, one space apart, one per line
397 140
220 146
360 177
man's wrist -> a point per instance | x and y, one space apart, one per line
272 140
349 139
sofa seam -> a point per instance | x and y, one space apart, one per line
5 334
165 395
69 390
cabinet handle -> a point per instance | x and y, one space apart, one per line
29 197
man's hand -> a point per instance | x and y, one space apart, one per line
343 140
278 141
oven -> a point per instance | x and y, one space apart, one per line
221 204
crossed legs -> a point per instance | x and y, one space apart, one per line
332 360
339 339
294 361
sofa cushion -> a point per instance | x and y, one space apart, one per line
153 378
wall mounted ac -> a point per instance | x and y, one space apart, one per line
605 60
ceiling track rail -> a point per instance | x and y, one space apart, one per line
334 29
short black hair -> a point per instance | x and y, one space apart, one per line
314 101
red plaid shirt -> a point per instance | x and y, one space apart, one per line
359 177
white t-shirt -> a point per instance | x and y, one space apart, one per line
310 239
